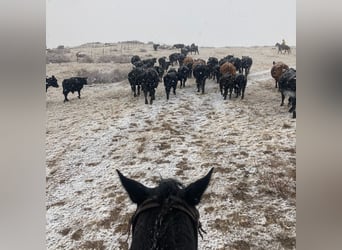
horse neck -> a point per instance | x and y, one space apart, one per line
164 228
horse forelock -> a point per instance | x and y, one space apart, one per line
167 188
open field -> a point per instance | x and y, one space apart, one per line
251 200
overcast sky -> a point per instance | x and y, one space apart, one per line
215 23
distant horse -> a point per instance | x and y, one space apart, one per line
166 216
283 47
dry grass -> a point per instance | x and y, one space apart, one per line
96 76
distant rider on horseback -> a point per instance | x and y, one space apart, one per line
283 42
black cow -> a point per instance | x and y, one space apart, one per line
181 58
155 46
170 81
149 62
212 63
227 83
135 59
178 45
160 72
135 78
246 64
201 73
240 85
163 63
73 84
183 72
194 48
185 50
174 57
51 81
236 62
287 87
150 81
217 73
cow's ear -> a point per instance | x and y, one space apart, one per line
193 192
137 192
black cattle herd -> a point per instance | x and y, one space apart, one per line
229 72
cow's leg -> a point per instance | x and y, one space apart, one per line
152 93
133 87
293 104
167 93
152 96
79 94
230 92
243 92
65 93
236 90
282 99
225 92
203 85
145 95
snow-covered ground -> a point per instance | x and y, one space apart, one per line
251 200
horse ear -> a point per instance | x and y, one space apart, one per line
194 192
136 191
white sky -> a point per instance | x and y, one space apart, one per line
204 22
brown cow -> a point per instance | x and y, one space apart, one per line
277 70
228 67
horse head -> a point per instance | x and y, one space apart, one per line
166 216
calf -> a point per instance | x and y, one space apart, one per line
246 64
201 73
73 84
150 81
212 63
240 85
135 80
51 81
170 81
227 83
183 72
